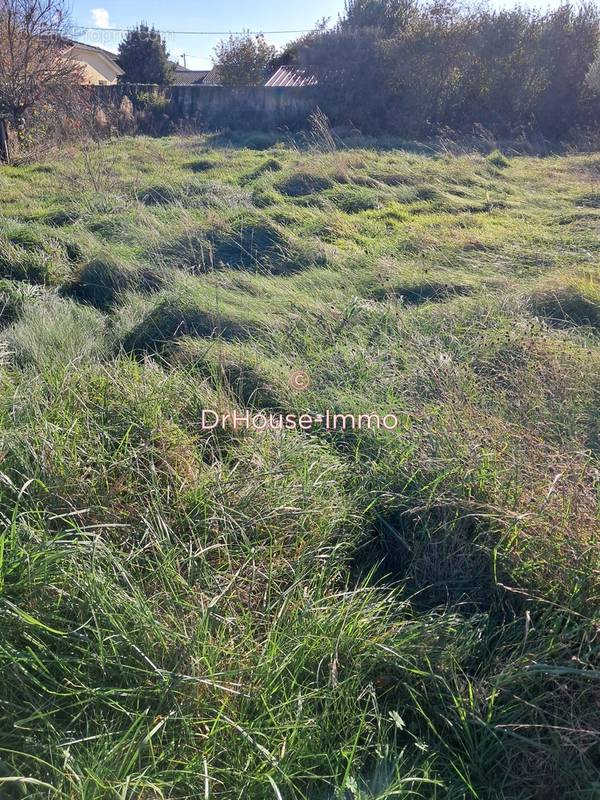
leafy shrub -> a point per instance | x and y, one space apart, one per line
149 113
415 71
155 102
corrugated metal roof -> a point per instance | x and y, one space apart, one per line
290 76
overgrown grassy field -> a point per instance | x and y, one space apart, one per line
327 615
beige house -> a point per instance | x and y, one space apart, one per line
99 67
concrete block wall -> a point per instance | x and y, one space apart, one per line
253 107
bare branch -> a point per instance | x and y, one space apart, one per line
35 63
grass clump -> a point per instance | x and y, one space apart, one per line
175 316
17 263
14 298
263 198
235 368
52 331
205 194
497 159
569 303
266 167
301 184
161 194
221 196
354 199
203 165
103 280
26 254
60 217
188 250
256 243
415 294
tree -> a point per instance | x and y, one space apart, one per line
244 60
567 46
290 54
592 79
388 16
34 62
421 67
143 57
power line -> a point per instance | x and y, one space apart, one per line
191 55
193 33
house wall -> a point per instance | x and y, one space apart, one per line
254 107
96 70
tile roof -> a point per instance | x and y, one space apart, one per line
189 77
85 46
112 57
213 78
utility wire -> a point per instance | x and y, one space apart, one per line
192 33
191 55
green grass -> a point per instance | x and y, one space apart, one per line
323 615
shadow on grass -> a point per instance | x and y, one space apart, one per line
418 294
439 556
174 318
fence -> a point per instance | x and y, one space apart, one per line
256 107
